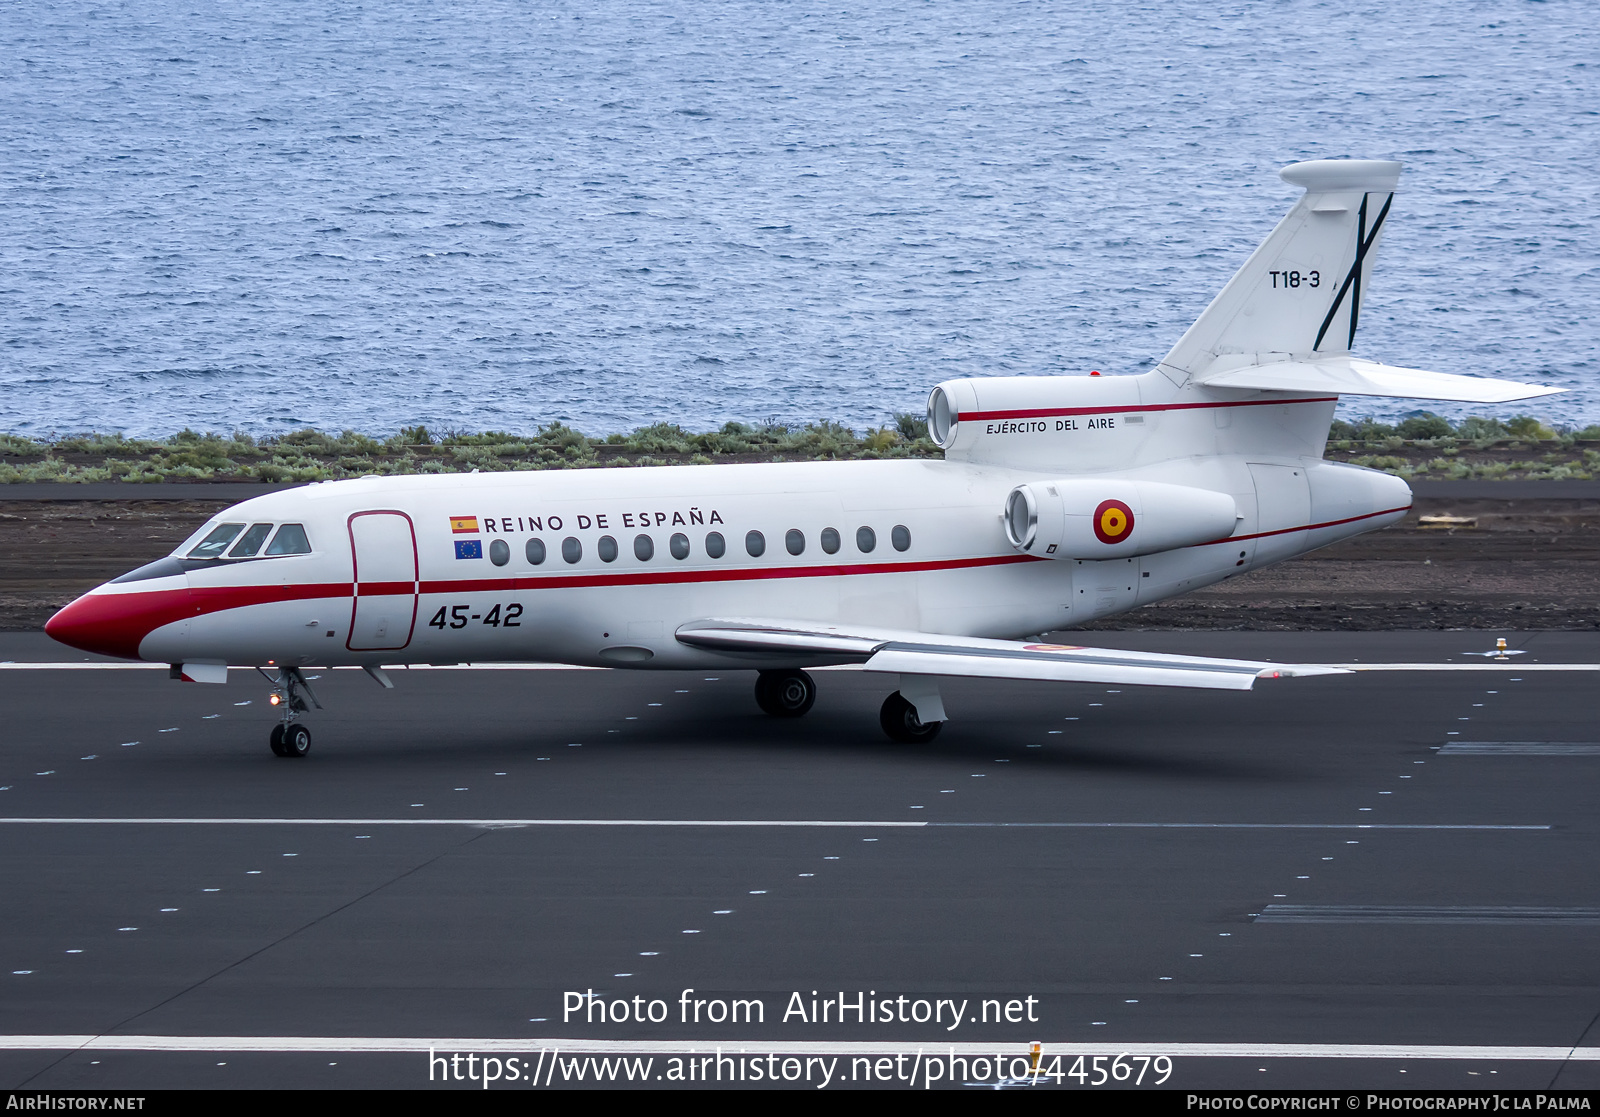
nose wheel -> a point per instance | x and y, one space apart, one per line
785 694
289 738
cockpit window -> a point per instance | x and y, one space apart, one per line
214 544
251 541
290 540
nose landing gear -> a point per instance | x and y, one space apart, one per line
290 738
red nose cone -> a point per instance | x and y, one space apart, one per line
114 623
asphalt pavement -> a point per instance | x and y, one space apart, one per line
1298 886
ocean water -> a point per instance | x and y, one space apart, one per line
262 215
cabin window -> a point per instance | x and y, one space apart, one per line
606 549
534 550
571 549
794 541
901 537
499 552
679 545
290 540
866 540
214 544
251 541
644 548
755 543
716 546
830 540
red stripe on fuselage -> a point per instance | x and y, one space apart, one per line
384 589
1306 527
1049 412
734 574
116 623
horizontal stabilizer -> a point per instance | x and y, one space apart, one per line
921 653
1351 376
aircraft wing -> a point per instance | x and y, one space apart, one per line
922 653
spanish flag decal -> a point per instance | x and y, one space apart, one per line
464 525
1113 521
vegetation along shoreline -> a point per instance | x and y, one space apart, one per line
1423 447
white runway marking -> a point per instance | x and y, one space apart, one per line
759 822
839 667
114 666
532 1045
1421 913
1521 748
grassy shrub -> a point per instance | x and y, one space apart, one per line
880 440
1425 426
658 438
1479 429
1529 428
911 427
19 446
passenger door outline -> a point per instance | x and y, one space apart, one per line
382 600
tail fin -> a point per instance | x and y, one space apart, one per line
1299 295
1287 319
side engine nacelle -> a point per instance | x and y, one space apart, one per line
1109 518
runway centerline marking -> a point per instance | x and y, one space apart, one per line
497 1045
511 823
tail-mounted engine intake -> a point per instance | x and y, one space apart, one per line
1101 519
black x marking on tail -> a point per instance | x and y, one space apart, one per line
1352 279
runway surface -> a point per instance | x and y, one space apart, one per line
1291 887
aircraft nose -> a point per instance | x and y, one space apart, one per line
115 623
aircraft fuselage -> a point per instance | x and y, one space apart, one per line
440 569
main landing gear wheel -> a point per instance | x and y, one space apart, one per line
899 720
785 694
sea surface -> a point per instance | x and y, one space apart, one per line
264 214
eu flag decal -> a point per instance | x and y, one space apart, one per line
469 548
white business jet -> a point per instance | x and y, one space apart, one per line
1060 500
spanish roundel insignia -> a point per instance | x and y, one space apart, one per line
1113 521
464 525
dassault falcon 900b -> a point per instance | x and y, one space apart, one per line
1060 500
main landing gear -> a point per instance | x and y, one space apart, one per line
791 693
289 737
899 720
785 694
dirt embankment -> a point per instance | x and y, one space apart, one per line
1528 563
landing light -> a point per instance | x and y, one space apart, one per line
274 700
